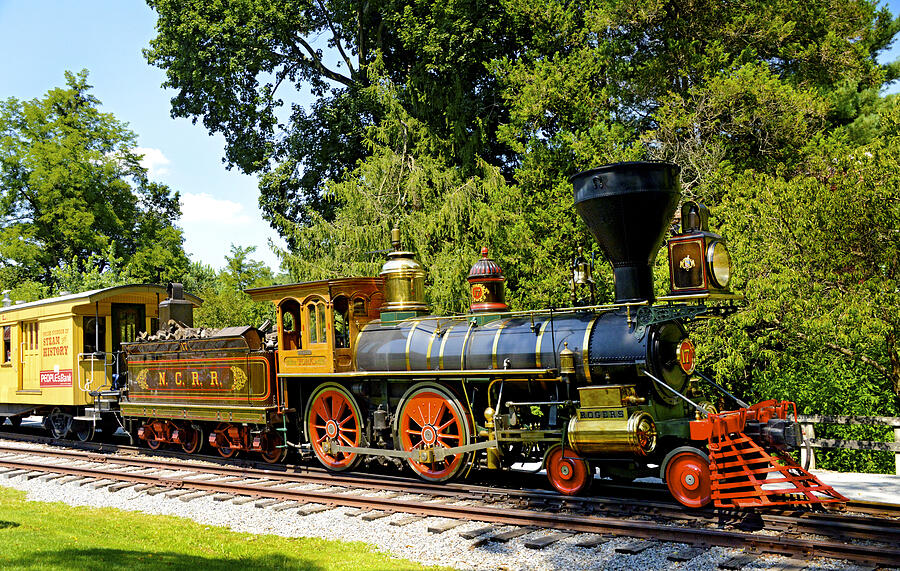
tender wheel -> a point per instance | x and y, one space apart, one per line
154 444
333 415
193 439
83 430
271 452
58 423
687 476
568 472
227 451
430 417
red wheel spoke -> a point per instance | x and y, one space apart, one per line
421 422
440 413
320 410
338 405
446 424
346 440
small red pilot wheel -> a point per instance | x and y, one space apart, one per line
687 475
568 472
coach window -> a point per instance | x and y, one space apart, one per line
7 343
290 324
94 329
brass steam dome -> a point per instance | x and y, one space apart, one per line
404 280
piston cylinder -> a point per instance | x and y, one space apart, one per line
608 431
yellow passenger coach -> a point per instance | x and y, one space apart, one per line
61 357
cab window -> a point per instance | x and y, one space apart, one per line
316 315
7 343
341 322
290 325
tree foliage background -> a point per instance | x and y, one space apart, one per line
462 122
77 209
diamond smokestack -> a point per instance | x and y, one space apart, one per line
628 207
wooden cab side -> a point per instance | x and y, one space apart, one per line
318 322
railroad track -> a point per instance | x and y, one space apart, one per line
525 488
308 491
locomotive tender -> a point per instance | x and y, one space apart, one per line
358 370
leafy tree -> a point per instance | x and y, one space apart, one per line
73 193
407 183
236 65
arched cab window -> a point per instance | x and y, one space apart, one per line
315 311
341 306
289 313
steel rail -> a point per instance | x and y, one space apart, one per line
881 555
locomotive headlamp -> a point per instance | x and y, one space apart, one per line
719 261
699 262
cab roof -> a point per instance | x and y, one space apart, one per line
98 295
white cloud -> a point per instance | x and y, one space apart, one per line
204 208
154 161
211 225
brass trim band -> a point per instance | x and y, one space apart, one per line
585 358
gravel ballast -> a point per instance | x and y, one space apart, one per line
413 541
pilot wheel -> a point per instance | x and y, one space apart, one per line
568 472
687 476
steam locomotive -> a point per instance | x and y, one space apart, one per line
356 370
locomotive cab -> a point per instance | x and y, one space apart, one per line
318 322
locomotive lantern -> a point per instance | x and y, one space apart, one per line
699 262
486 283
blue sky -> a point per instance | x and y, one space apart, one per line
40 39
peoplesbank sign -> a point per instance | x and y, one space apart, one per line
56 378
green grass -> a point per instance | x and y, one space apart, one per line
38 535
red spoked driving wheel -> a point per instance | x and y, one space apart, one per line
688 479
431 418
333 416
568 472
